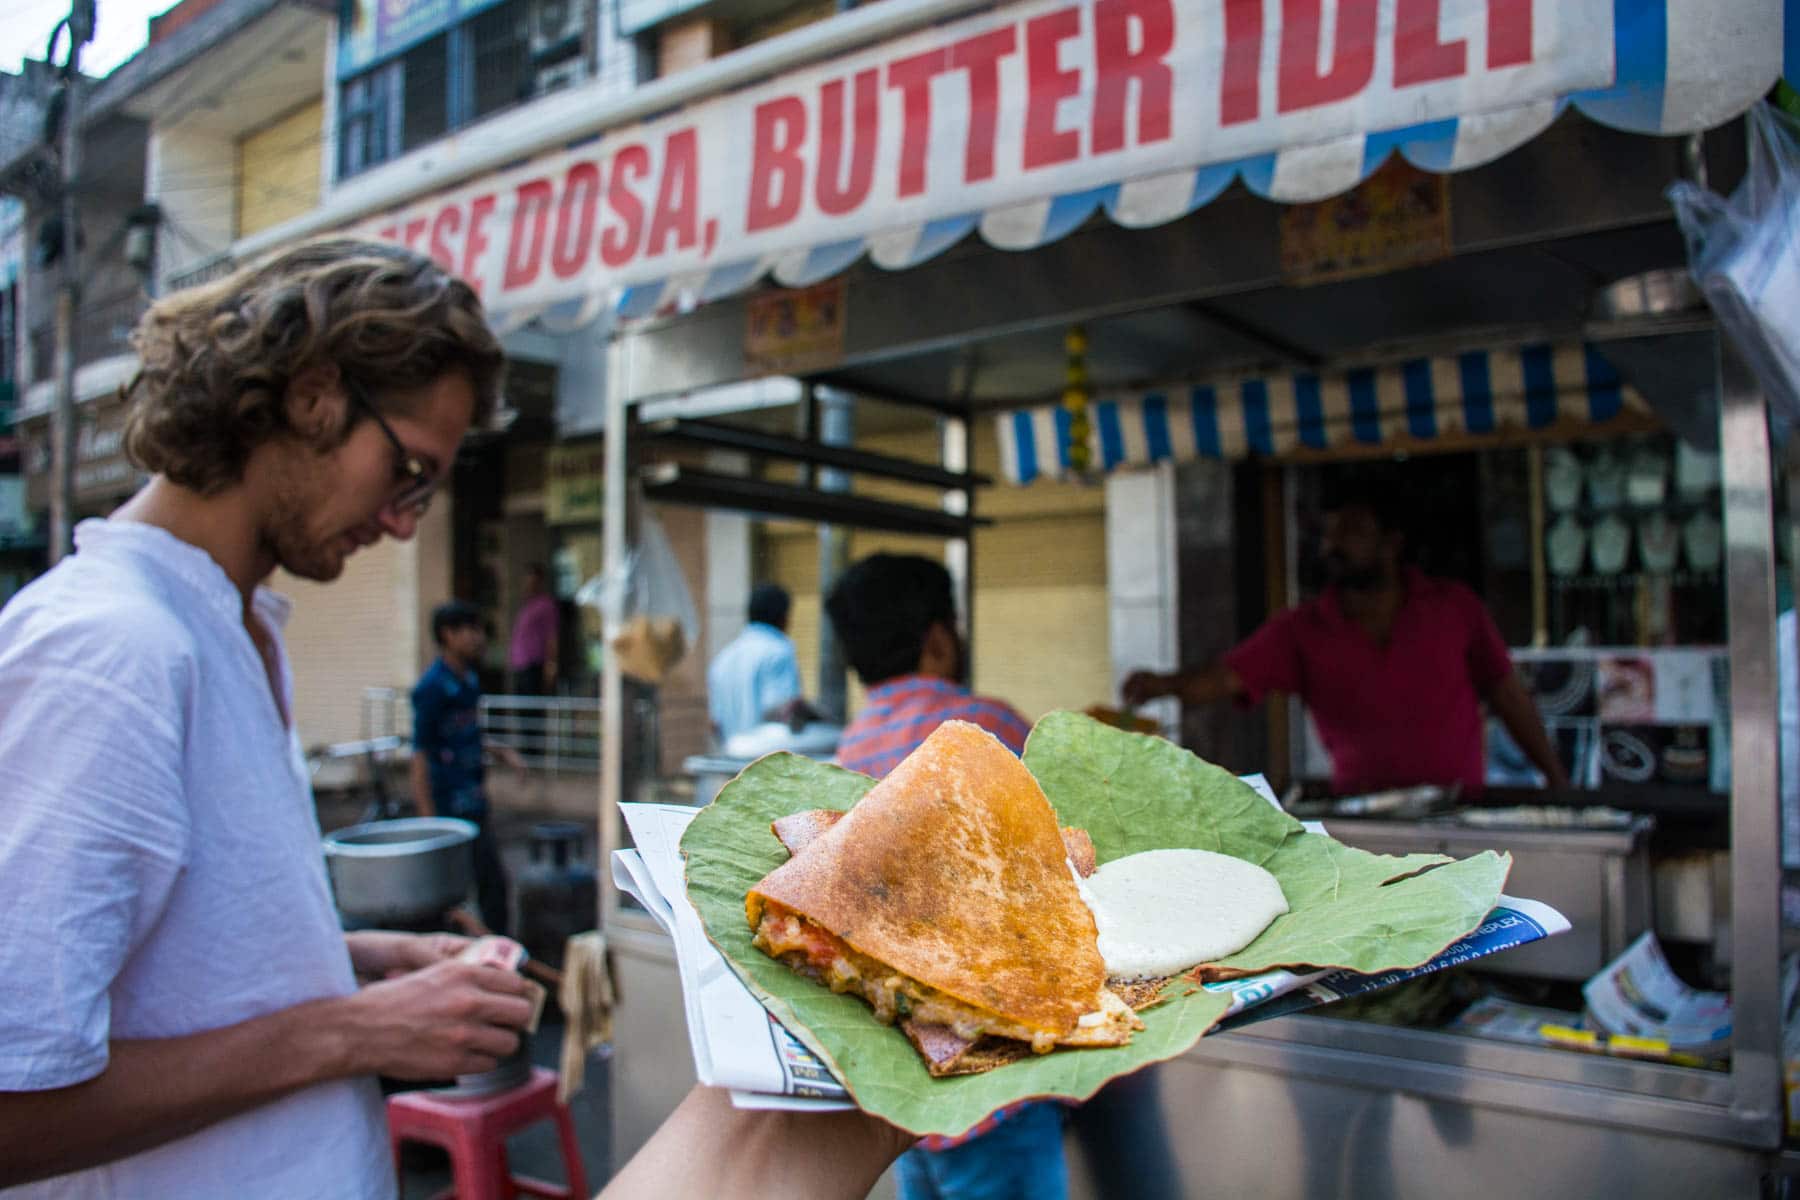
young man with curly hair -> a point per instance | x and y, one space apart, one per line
180 1014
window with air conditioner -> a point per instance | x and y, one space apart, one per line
556 31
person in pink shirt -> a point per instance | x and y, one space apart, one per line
1393 665
531 653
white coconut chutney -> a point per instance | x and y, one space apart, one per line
1163 911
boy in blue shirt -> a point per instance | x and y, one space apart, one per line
449 757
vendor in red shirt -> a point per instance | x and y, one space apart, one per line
1393 665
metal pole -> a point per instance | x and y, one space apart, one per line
1290 552
1756 1059
1540 579
836 427
62 420
612 689
955 454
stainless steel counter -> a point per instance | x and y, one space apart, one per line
1254 1113
652 1065
1305 1107
1599 879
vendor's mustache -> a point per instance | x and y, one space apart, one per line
1339 569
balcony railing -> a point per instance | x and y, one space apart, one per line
204 271
103 328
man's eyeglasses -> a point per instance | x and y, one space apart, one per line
416 482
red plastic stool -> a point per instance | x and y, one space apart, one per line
474 1130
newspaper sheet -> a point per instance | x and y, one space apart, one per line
737 1045
1638 995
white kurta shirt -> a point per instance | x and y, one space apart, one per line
160 870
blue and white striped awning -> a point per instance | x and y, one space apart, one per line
1412 403
1682 66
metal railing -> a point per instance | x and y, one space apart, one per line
103 328
551 733
376 776
204 271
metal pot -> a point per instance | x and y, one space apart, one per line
400 871
509 1072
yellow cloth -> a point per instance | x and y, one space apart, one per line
586 997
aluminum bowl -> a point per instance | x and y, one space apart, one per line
401 871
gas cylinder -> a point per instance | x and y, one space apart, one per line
558 891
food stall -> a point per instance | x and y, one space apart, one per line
1190 279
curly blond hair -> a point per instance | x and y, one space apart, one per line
217 359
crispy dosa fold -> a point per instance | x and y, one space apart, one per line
951 873
797 831
820 955
946 1054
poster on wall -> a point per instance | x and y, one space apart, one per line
795 330
574 483
1627 687
1573 739
1398 217
1623 716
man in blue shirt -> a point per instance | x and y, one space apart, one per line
756 678
449 758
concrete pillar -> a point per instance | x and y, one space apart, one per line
1143 595
728 566
837 427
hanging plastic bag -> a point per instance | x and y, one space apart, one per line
646 599
1744 251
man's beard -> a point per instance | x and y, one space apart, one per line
1356 579
293 547
299 556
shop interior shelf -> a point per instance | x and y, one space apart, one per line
718 436
674 483
1629 579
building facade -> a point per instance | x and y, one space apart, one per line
249 123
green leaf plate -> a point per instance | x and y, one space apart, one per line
1347 908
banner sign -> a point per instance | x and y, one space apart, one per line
102 471
1012 105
